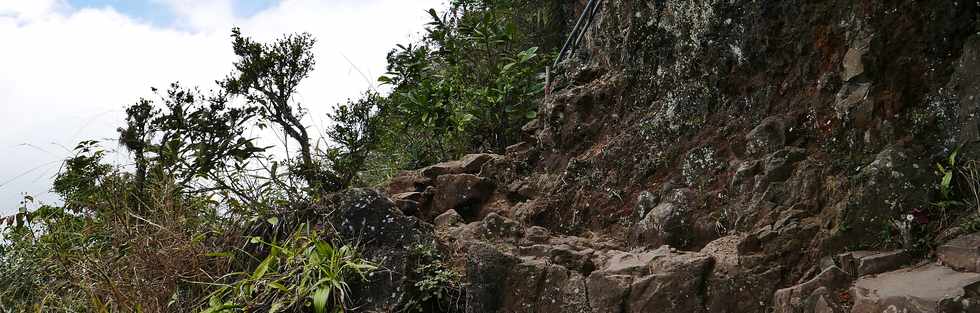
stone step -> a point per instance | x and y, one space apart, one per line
928 288
862 263
962 253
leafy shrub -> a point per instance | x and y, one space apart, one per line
470 84
303 272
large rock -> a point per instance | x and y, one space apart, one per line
767 137
653 281
665 223
962 253
386 237
739 283
928 288
820 289
861 263
965 85
486 275
498 281
464 193
896 182
469 164
407 181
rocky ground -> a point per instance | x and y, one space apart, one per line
715 156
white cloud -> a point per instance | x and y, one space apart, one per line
29 9
67 74
203 14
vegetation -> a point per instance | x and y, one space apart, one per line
177 228
305 271
470 84
435 284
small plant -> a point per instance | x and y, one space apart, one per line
436 286
302 272
946 174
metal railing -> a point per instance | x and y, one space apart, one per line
575 37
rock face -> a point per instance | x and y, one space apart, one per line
705 156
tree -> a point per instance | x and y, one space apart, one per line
267 76
189 137
355 134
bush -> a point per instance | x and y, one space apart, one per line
303 272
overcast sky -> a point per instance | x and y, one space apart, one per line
69 67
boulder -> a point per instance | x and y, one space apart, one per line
469 164
407 181
803 296
962 253
896 180
409 202
778 165
486 275
853 63
677 284
448 219
767 137
652 281
385 236
540 286
461 192
497 227
665 223
861 263
536 235
500 282
607 292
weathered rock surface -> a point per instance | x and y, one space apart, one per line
469 164
386 237
464 193
962 253
819 291
861 263
926 289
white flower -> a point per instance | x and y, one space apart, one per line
909 217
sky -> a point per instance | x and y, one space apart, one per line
68 68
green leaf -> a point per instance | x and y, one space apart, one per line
320 297
264 266
273 221
278 286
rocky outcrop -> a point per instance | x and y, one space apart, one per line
455 185
725 156
386 237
